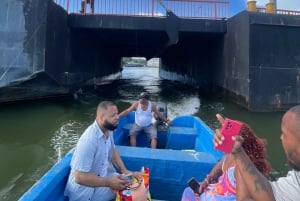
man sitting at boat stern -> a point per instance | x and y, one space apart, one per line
93 175
143 119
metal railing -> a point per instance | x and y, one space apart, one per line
280 11
209 9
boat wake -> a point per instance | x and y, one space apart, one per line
66 137
185 106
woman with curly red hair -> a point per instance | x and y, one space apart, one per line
220 183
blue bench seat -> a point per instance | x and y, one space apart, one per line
181 138
142 140
175 167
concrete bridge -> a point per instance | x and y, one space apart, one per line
51 49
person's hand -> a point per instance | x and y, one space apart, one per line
220 118
219 138
237 147
203 186
117 183
138 175
168 122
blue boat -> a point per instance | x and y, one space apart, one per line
185 150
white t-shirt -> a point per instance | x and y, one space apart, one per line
287 188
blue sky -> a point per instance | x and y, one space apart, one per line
237 6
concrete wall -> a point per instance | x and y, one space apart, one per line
41 57
58 52
274 61
261 61
91 57
232 76
193 59
29 60
256 63
22 39
253 58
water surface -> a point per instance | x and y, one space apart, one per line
33 136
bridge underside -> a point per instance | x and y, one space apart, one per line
245 57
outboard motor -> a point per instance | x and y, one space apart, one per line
162 108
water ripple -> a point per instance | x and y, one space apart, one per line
66 137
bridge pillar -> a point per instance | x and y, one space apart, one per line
261 66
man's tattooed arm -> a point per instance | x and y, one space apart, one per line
257 185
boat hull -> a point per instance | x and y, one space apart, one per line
185 151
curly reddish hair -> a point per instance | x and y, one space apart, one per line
255 148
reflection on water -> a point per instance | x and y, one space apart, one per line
44 132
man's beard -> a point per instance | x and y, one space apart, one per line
109 126
294 166
293 163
